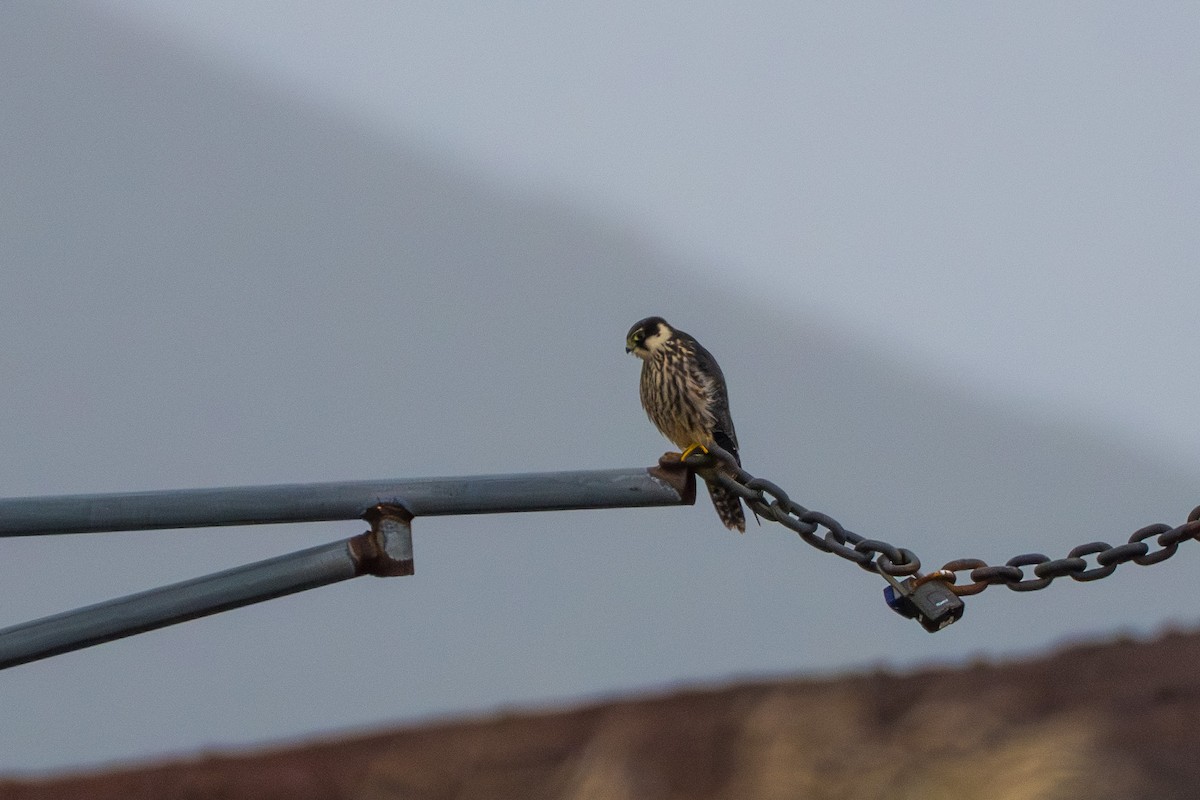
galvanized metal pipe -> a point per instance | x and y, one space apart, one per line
386 550
179 602
322 502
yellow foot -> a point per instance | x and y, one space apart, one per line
691 449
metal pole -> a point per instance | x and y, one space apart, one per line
321 502
385 550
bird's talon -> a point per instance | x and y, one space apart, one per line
693 448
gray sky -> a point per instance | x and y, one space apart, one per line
1006 191
944 254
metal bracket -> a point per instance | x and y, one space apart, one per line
678 475
386 550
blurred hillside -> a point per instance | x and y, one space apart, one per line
1096 721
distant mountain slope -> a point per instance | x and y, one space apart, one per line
1095 721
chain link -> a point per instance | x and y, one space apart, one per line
770 501
825 533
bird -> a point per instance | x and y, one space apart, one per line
683 392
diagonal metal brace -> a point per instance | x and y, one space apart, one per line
385 550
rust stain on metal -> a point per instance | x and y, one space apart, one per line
944 575
376 514
369 550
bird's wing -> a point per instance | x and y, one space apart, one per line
723 432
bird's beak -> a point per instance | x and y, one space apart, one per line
628 349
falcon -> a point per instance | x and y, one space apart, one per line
683 392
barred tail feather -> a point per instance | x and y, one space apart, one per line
729 507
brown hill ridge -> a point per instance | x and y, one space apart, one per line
1112 720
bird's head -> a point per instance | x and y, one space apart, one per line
645 337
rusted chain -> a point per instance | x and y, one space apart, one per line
1023 573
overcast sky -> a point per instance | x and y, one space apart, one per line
1008 191
945 254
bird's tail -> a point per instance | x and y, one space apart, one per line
729 507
